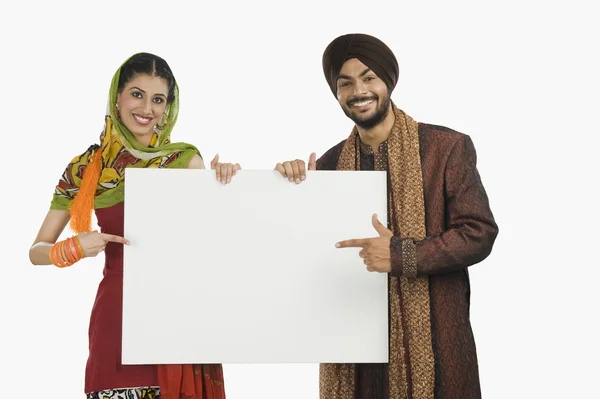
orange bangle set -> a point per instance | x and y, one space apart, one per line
67 252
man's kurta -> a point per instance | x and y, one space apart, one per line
460 232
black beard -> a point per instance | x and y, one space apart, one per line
377 118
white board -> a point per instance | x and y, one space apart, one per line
248 272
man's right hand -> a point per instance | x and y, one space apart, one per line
295 171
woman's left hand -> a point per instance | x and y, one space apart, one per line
224 171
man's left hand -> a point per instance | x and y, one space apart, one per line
375 251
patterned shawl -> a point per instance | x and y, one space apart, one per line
411 362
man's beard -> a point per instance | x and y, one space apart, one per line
379 115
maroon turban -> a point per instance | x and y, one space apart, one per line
367 49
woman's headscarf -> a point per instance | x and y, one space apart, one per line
94 179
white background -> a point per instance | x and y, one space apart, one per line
520 77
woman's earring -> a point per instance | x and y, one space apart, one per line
163 122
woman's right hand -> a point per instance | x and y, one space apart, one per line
94 242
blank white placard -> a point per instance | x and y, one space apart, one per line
248 272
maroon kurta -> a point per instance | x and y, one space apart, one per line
460 232
104 369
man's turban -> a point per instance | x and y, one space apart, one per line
367 49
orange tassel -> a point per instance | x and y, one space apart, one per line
83 203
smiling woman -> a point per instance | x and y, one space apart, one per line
142 110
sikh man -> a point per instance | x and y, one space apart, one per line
440 223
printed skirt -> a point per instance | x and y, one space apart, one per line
126 393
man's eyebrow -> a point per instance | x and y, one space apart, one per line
363 73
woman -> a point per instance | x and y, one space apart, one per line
142 110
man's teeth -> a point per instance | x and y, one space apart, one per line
362 103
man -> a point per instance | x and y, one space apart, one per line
440 223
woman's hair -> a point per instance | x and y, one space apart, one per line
147 64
